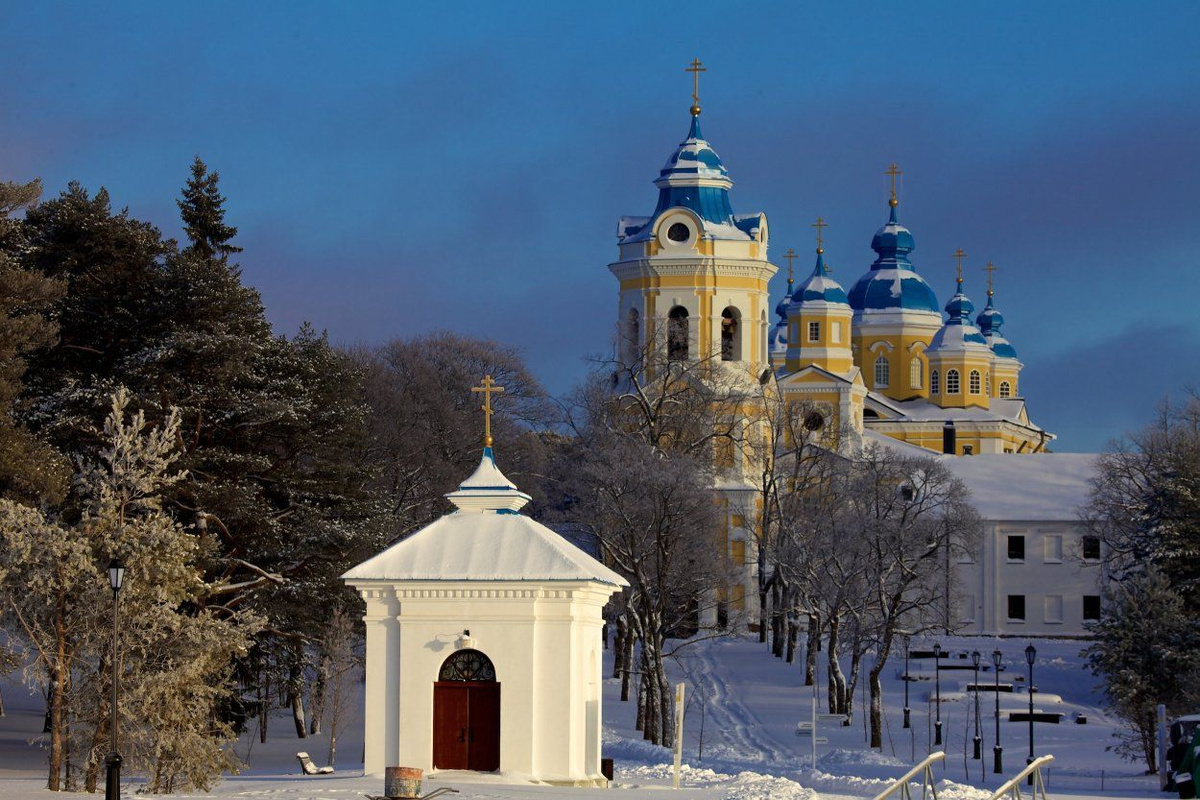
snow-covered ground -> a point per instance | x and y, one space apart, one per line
739 738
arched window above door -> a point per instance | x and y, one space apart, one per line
467 665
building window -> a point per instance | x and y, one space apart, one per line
677 334
1016 548
731 340
737 551
1091 607
934 380
814 331
975 385
1052 548
916 373
951 381
1054 608
1016 608
968 450
882 372
1091 548
739 598
1005 389
835 332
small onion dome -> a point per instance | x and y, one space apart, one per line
819 290
778 339
990 321
893 282
958 333
695 178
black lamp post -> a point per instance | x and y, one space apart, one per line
1030 655
978 738
997 750
937 683
112 782
907 717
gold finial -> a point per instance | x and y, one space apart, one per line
489 386
695 69
959 255
990 269
820 225
894 172
791 256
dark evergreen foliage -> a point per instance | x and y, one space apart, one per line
203 213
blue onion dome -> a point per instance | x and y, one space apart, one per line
818 290
958 333
990 321
892 284
695 178
778 338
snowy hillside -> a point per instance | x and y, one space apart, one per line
739 742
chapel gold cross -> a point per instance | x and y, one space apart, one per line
489 386
791 256
894 172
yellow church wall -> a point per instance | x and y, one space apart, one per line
899 349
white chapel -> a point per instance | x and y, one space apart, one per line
484 643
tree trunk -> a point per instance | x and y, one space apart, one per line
317 700
793 633
619 648
777 620
810 649
57 697
855 667
640 723
837 681
876 706
295 691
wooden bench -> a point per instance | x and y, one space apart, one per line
309 768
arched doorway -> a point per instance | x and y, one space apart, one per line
466 714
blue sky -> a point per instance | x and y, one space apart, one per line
396 167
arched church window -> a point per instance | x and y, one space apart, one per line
975 382
1005 389
731 340
677 334
952 381
882 372
934 381
916 373
467 665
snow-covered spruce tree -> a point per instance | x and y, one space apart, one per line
1147 651
203 213
176 656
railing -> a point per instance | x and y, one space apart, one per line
1012 787
925 768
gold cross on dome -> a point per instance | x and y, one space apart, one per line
959 255
696 68
820 225
489 386
894 172
990 269
791 256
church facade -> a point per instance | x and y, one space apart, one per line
883 359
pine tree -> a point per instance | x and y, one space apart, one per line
202 209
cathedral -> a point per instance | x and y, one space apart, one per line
880 358
883 363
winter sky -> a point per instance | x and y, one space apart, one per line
399 167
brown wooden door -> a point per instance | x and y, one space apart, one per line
451 701
466 725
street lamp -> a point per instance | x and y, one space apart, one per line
1030 656
907 717
112 783
978 739
997 750
937 683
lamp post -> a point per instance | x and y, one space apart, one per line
907 712
112 782
978 738
997 750
1030 656
937 683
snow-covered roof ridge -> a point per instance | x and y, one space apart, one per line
1037 487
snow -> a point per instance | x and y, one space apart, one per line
747 705
1039 487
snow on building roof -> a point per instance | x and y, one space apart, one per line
486 539
1042 487
1009 409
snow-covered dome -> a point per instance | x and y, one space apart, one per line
958 333
892 284
990 321
777 341
819 290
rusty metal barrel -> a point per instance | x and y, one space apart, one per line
402 783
